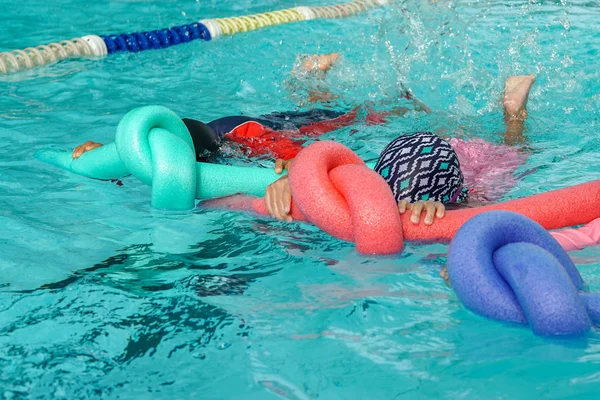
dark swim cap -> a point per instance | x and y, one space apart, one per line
422 166
203 136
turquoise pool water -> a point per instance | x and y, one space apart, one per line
103 297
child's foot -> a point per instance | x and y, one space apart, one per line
516 92
324 62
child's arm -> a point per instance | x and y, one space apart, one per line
380 117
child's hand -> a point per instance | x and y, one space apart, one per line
281 165
432 209
87 146
278 199
445 277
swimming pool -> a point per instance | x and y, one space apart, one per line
102 296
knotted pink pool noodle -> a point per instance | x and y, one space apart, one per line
314 182
569 239
334 189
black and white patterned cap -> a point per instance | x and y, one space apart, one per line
422 166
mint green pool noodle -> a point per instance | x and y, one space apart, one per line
102 163
153 144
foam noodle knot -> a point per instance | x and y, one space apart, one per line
156 147
153 144
505 266
333 188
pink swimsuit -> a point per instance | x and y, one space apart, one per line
489 174
488 169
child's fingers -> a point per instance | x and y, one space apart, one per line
271 203
287 201
417 208
278 200
441 210
92 146
276 206
284 207
430 210
402 206
279 166
268 201
87 146
79 150
279 213
281 207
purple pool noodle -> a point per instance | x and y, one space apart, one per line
485 287
543 288
592 304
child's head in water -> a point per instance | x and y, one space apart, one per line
422 166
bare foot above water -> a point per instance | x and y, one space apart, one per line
516 92
324 62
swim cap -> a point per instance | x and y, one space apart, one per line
422 166
203 136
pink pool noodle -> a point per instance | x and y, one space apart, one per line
314 180
578 238
333 188
570 239
376 225
560 208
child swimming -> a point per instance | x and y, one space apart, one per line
485 169
425 172
280 135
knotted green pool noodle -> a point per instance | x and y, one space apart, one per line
153 144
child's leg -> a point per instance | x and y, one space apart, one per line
516 92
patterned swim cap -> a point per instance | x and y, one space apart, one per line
422 166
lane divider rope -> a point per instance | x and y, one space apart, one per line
95 46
